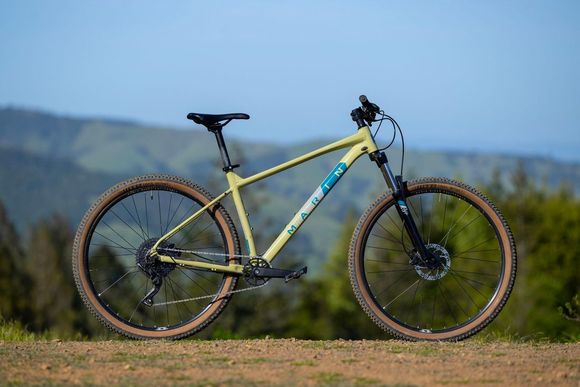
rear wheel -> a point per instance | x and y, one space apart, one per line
454 296
114 273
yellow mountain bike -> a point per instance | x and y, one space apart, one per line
159 257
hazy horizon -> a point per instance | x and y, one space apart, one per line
232 134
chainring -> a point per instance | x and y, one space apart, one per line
249 274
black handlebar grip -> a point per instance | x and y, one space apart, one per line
371 107
365 101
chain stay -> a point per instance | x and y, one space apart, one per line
207 253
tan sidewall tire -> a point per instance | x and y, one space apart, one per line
366 300
79 269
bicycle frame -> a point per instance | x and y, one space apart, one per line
360 143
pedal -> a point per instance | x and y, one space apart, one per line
296 274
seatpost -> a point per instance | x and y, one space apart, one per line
217 130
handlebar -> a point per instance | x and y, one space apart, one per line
366 113
368 105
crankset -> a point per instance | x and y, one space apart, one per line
258 271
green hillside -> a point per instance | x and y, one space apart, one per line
35 187
58 164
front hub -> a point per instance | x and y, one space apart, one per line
438 268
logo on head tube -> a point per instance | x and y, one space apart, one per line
403 206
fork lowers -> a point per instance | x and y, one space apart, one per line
400 191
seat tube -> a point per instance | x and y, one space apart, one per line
242 214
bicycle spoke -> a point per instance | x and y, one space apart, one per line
143 288
472 280
395 240
390 271
390 286
412 308
389 263
444 211
465 227
138 216
474 272
117 245
422 220
168 212
159 207
127 224
475 259
465 291
468 283
396 225
210 223
431 220
120 236
448 306
166 299
206 292
453 226
118 280
142 235
400 294
385 248
174 213
477 245
171 283
146 212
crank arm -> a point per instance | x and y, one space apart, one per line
270 272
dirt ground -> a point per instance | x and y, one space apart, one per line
288 362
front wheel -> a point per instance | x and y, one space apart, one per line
457 295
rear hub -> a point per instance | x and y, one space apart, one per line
149 264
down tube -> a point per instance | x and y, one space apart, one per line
313 201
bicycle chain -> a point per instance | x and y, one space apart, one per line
211 295
207 253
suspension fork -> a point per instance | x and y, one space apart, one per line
399 189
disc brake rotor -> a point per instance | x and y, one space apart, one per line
438 272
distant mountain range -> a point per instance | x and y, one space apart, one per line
50 163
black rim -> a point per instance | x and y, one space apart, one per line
426 299
129 224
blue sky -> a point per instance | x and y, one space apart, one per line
491 76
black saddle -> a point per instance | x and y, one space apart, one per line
213 121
